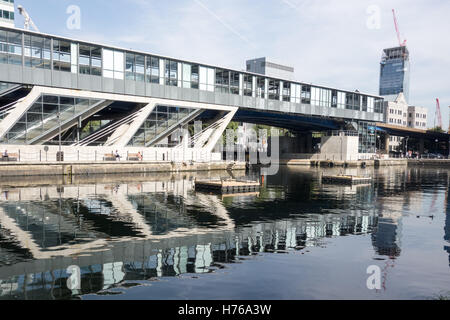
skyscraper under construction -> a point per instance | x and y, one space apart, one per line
395 73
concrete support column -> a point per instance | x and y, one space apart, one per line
421 146
387 142
309 143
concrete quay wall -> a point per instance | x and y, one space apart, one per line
350 164
11 169
444 163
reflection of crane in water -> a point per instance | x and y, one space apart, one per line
390 263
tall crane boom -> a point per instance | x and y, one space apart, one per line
397 29
438 114
28 20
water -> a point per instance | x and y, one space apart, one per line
154 237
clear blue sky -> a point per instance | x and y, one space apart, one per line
329 42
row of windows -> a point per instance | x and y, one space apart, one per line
397 112
9 1
4 14
94 60
397 121
419 115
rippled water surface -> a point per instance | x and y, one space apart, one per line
154 237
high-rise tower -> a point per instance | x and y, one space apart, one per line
7 13
395 73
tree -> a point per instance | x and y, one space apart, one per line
437 129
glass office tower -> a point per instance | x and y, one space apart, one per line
395 73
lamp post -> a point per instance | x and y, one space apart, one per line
437 147
377 144
59 124
407 151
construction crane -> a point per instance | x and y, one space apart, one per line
28 21
402 43
449 125
438 117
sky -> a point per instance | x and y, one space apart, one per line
336 43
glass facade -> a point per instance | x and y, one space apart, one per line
160 120
367 137
47 52
395 73
10 47
43 116
90 60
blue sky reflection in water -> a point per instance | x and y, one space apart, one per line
156 238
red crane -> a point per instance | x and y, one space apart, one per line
402 43
438 114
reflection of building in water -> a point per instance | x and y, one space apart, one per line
161 229
387 235
146 259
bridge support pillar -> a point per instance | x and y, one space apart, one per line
309 143
387 143
421 146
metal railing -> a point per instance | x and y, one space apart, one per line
102 155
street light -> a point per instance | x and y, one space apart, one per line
59 157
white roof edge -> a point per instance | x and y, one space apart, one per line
180 60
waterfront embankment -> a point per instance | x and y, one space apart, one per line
348 164
15 169
443 163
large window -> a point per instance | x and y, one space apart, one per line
10 47
191 76
171 73
342 97
334 99
62 56
364 103
37 52
321 97
222 81
306 94
248 85
90 60
378 105
296 93
207 79
152 72
286 91
274 89
234 82
113 64
325 98
135 67
261 87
